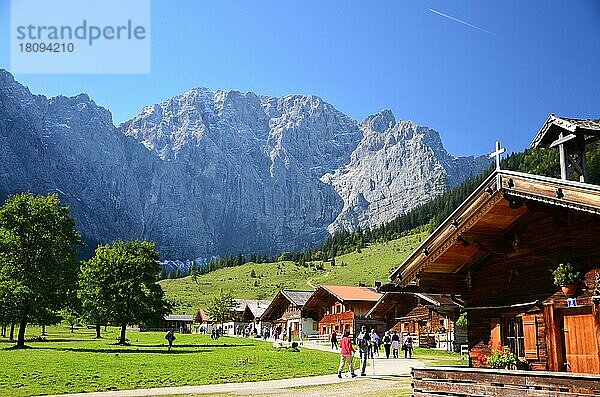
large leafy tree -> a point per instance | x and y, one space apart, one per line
221 307
38 257
120 285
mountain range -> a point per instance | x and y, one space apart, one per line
212 172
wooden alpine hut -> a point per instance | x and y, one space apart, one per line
497 251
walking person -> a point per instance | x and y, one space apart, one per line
374 344
387 343
407 346
346 352
333 340
170 337
395 344
364 343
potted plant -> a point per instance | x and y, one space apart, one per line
501 357
567 275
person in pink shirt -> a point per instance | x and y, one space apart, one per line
346 354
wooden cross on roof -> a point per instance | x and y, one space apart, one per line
497 154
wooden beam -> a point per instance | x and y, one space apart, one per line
591 139
485 242
443 283
395 288
562 140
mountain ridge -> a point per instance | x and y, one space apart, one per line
214 172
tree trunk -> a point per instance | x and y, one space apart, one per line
22 326
72 330
3 333
98 331
12 332
43 329
123 328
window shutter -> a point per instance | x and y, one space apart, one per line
530 335
495 336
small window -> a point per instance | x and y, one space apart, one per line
514 336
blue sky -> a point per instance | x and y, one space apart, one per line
497 80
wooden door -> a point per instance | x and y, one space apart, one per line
581 346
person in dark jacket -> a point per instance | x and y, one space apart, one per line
387 343
333 340
407 346
170 337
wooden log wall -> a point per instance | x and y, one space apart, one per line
524 276
451 381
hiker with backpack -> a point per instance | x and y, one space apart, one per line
387 343
395 344
170 337
364 344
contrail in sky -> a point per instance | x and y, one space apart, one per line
463 22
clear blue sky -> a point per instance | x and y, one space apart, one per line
526 60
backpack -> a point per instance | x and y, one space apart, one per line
363 342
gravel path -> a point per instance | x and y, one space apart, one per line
382 374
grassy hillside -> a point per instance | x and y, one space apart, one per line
373 263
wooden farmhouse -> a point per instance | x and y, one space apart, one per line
204 323
285 310
179 322
342 308
429 318
496 251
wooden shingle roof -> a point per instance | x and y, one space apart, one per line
296 297
554 125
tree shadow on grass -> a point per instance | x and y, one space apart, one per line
119 351
15 347
63 340
175 345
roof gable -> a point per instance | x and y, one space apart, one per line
350 293
297 297
555 125
492 209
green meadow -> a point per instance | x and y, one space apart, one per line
65 362
373 263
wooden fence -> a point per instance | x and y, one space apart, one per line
453 381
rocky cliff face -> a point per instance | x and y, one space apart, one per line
214 172
69 146
396 167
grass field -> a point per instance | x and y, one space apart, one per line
373 263
76 362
